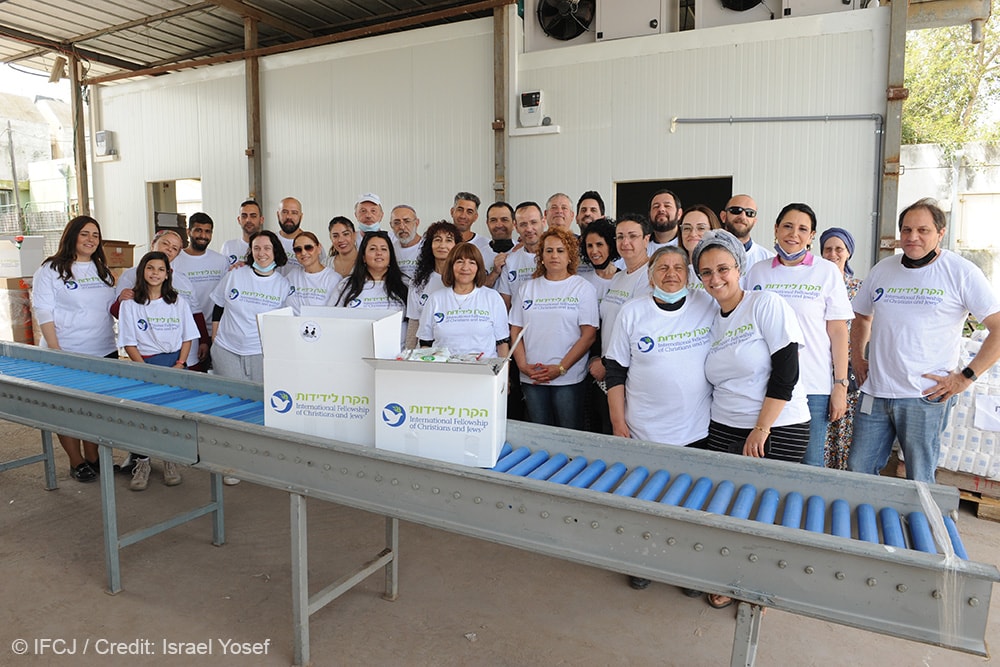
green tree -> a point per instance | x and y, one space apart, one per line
953 84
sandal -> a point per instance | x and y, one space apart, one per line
716 601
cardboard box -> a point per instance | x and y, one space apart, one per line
15 310
21 256
120 254
315 378
453 412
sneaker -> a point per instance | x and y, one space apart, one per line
140 475
171 476
128 465
83 473
230 481
638 583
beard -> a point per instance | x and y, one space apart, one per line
200 245
288 226
664 225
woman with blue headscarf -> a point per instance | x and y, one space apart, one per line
837 246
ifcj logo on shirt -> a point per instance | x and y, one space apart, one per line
142 324
281 401
879 292
71 284
645 344
512 274
354 303
526 304
438 318
234 294
393 414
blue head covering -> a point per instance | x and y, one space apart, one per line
848 240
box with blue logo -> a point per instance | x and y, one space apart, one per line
315 378
454 411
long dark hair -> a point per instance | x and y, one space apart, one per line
425 262
606 230
141 288
63 260
354 284
338 220
280 256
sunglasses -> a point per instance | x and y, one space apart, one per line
303 248
736 210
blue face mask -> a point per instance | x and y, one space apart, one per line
264 269
789 258
667 297
368 228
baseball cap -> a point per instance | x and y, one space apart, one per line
369 196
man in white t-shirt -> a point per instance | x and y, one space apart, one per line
559 211
738 218
521 262
910 313
250 221
664 215
368 213
500 222
589 207
404 222
464 213
289 224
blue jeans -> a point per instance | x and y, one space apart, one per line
555 405
917 424
819 419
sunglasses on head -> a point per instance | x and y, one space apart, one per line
736 210
309 247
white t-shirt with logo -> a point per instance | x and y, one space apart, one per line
551 314
293 262
418 296
917 319
185 289
739 360
624 287
668 399
235 250
407 259
79 308
373 297
465 323
244 294
516 272
204 271
156 327
600 284
312 289
815 290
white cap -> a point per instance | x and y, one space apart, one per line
369 196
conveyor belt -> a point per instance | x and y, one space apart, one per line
875 553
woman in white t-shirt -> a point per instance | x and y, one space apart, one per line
155 326
314 283
376 283
343 246
71 293
557 311
439 239
465 316
814 287
697 220
601 252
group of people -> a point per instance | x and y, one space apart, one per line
674 327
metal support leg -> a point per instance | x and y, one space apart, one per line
392 568
218 517
300 578
50 461
109 515
748 618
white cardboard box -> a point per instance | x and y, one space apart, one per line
21 258
453 412
316 380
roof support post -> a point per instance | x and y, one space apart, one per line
501 93
896 94
252 74
79 137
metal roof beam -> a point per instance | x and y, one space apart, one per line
246 11
71 49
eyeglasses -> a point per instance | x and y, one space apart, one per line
309 247
736 210
688 229
723 271
631 237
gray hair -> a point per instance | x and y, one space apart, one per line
665 250
720 238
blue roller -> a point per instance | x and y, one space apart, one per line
677 490
589 474
529 464
570 471
744 502
699 494
920 533
867 528
792 516
956 541
505 450
840 519
512 459
768 508
723 494
815 514
892 528
632 482
610 478
654 487
550 467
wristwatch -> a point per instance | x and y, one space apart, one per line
970 374
842 381
562 371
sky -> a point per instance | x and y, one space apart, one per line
28 85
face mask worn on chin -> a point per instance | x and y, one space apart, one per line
368 228
789 258
264 269
668 297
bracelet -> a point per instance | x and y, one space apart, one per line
765 431
562 371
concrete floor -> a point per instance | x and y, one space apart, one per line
462 601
